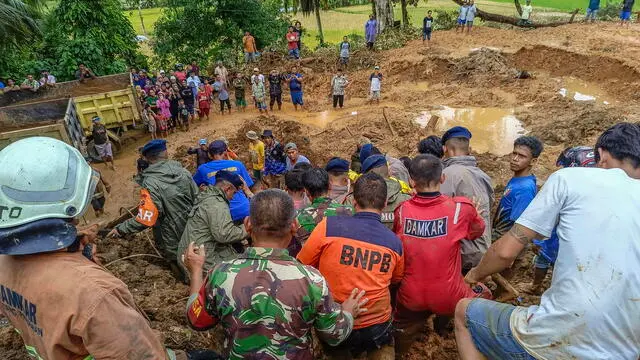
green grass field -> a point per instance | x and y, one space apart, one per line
150 17
564 4
342 21
557 4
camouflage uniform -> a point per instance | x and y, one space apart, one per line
311 216
268 303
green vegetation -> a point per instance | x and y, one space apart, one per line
341 21
65 32
556 4
92 31
95 32
150 17
346 20
19 21
567 5
208 30
20 26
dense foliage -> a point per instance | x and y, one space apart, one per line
95 32
445 20
20 26
213 29
394 38
143 4
610 11
332 4
19 21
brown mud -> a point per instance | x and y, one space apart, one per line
67 89
456 72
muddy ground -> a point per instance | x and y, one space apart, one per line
67 89
453 72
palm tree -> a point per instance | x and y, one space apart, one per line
20 20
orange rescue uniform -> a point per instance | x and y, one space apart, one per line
66 307
357 252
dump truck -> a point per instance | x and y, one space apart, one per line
65 111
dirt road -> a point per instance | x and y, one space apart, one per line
455 79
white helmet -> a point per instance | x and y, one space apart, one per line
43 178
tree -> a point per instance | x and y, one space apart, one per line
518 7
94 32
384 14
319 22
139 5
144 29
20 29
210 29
405 13
145 4
309 6
486 16
19 21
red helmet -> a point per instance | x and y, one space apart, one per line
578 156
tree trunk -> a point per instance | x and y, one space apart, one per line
515 21
405 14
373 8
319 22
286 6
518 7
384 14
144 30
